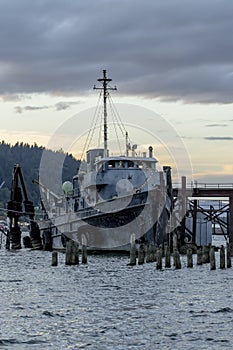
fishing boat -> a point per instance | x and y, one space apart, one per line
112 200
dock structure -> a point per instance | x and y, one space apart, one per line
188 199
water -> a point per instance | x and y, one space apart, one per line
109 305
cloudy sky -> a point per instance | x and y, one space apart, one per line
172 57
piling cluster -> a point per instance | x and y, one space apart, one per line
163 256
72 254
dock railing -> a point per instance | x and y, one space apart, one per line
195 184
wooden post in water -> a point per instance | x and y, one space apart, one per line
84 254
167 256
72 253
150 253
222 257
54 259
176 258
75 254
68 252
205 254
141 254
84 250
212 259
159 264
228 255
189 257
153 252
199 256
174 241
133 260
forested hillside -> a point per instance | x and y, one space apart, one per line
28 157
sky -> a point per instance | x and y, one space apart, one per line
172 62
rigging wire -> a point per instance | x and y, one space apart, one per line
91 128
115 122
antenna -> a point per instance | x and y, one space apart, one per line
105 88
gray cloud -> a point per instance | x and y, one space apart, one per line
218 138
172 50
19 109
60 106
215 125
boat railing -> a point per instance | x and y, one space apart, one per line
207 185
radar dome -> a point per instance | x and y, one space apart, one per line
67 187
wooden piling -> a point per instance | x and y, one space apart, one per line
189 258
84 254
68 252
222 257
141 254
133 260
205 254
174 241
176 259
167 256
159 264
228 255
75 254
212 259
199 256
150 253
54 258
72 253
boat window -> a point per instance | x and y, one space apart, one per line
130 164
111 164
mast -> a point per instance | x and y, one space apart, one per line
105 88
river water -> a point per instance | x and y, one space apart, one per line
109 305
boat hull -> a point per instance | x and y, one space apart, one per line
110 225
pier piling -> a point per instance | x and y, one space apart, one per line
176 259
222 257
72 253
212 259
141 254
167 256
84 254
54 258
199 256
189 257
159 264
205 254
228 255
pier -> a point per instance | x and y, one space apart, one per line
187 205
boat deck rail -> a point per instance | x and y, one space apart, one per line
208 185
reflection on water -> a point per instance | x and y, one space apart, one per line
109 305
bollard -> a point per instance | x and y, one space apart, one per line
141 254
199 256
228 255
176 257
222 257
167 256
159 259
54 258
212 259
84 254
189 257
